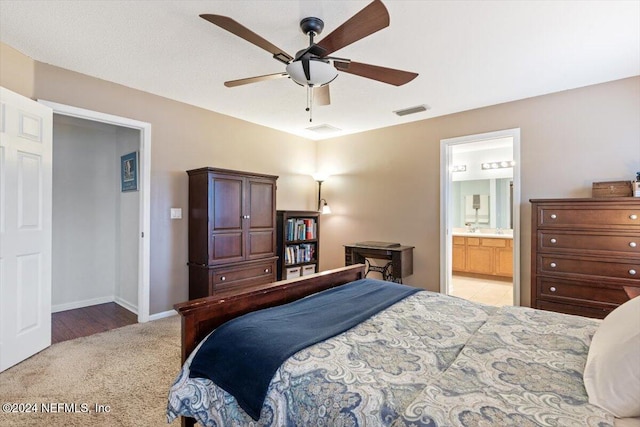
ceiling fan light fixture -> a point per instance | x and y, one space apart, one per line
320 73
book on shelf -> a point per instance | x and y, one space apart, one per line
298 254
301 229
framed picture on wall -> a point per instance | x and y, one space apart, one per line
129 172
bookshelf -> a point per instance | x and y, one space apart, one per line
298 243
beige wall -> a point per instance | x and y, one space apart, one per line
386 183
16 71
183 137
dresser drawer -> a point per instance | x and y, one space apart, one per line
243 276
613 243
589 217
592 293
559 265
578 310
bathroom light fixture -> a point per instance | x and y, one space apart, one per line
498 165
322 208
458 168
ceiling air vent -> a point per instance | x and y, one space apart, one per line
412 110
323 129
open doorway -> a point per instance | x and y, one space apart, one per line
480 217
124 240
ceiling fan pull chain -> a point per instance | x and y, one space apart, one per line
310 102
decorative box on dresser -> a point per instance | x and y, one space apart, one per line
298 243
585 254
232 230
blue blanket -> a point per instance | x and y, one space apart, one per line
242 355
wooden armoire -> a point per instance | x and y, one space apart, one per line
232 230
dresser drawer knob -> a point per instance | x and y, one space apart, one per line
223 278
266 270
552 289
633 244
554 216
554 241
632 272
633 216
553 265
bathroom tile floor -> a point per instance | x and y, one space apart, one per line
491 292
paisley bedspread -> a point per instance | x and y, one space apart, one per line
428 360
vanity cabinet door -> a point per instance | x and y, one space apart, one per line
504 260
480 258
459 254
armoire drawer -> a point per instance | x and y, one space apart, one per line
239 277
589 217
563 291
560 265
604 242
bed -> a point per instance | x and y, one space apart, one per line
424 359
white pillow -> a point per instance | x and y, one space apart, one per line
612 372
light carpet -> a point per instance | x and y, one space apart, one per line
127 370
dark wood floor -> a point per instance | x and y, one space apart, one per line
81 322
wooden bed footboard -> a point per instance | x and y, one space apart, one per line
203 315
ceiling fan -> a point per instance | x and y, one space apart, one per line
312 67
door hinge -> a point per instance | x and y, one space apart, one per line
142 234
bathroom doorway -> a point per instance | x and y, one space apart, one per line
480 198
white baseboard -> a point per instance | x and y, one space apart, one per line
163 314
79 304
125 304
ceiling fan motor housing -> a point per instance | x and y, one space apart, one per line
318 71
312 25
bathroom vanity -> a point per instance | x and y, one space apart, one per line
484 253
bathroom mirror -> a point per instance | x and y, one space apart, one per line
495 203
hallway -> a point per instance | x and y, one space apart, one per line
85 321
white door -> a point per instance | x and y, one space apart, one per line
25 227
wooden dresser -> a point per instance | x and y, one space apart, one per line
232 230
585 254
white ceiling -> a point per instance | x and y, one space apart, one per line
469 54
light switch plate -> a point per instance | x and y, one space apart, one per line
176 213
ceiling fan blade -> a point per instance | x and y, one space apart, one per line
240 82
321 95
372 18
241 31
374 72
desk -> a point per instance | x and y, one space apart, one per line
400 259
